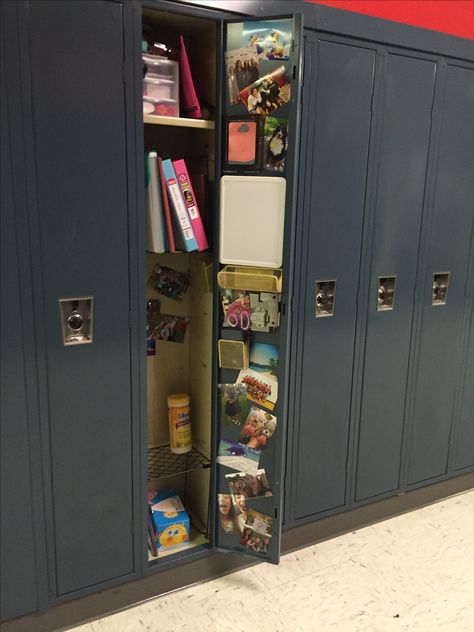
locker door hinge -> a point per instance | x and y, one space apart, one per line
130 319
132 526
124 72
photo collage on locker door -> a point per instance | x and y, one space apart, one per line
258 89
256 140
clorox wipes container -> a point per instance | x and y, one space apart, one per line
179 417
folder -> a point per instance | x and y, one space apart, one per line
189 198
190 107
155 234
166 207
184 235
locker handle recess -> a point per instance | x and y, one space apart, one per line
386 293
325 298
76 320
440 288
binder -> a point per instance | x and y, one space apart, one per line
155 233
166 207
184 235
189 198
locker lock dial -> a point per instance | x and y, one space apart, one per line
325 297
76 320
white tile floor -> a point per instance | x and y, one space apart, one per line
410 573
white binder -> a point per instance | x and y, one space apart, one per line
155 228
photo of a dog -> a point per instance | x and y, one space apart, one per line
275 143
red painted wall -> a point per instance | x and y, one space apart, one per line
455 17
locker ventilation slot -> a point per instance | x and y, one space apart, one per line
162 462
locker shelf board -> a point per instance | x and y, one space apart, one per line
196 539
152 119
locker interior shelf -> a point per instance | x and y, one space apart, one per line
196 539
176 121
163 463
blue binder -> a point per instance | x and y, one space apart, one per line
184 233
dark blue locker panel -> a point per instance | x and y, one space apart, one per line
448 251
76 51
339 95
463 449
409 89
18 522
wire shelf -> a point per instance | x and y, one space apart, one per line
163 463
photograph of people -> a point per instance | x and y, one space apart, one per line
240 511
233 409
226 513
242 70
268 93
254 102
240 74
233 85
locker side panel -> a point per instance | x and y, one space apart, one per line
18 582
409 87
448 251
333 215
76 53
464 446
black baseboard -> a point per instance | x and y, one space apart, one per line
66 615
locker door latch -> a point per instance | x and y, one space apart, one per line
76 320
325 298
440 288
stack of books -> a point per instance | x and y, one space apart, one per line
173 220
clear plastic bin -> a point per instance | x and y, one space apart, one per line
160 88
161 67
160 107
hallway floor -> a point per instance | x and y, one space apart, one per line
411 573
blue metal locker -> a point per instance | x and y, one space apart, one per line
23 581
18 584
82 250
405 140
338 96
442 281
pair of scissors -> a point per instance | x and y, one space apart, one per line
238 315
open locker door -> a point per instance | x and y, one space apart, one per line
260 103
